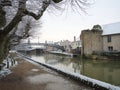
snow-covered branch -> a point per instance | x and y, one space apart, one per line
5 3
45 4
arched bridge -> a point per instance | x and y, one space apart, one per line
45 46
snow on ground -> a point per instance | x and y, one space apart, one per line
6 64
4 72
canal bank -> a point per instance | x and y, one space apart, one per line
96 84
63 53
31 76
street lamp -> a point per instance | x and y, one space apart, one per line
38 40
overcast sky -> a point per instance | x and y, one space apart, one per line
66 26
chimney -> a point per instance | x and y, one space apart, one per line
74 39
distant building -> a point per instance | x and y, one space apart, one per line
76 46
66 44
101 39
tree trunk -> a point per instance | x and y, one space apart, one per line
2 18
22 11
3 47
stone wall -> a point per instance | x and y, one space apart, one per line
91 41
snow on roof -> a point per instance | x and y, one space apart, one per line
112 28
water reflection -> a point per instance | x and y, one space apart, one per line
107 71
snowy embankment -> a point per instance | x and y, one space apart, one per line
4 72
62 53
98 85
6 64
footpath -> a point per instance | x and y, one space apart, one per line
31 76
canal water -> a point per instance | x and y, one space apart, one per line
103 70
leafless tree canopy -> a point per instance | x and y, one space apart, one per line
33 8
16 16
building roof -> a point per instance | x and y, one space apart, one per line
112 28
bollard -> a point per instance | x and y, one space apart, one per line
7 63
12 62
0 67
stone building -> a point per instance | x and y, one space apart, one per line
66 44
91 40
101 39
76 46
111 42
111 37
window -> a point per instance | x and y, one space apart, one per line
110 48
109 38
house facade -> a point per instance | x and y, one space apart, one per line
111 42
101 39
76 46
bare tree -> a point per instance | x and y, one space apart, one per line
9 23
24 30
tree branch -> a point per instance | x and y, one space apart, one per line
5 3
41 11
22 11
17 18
